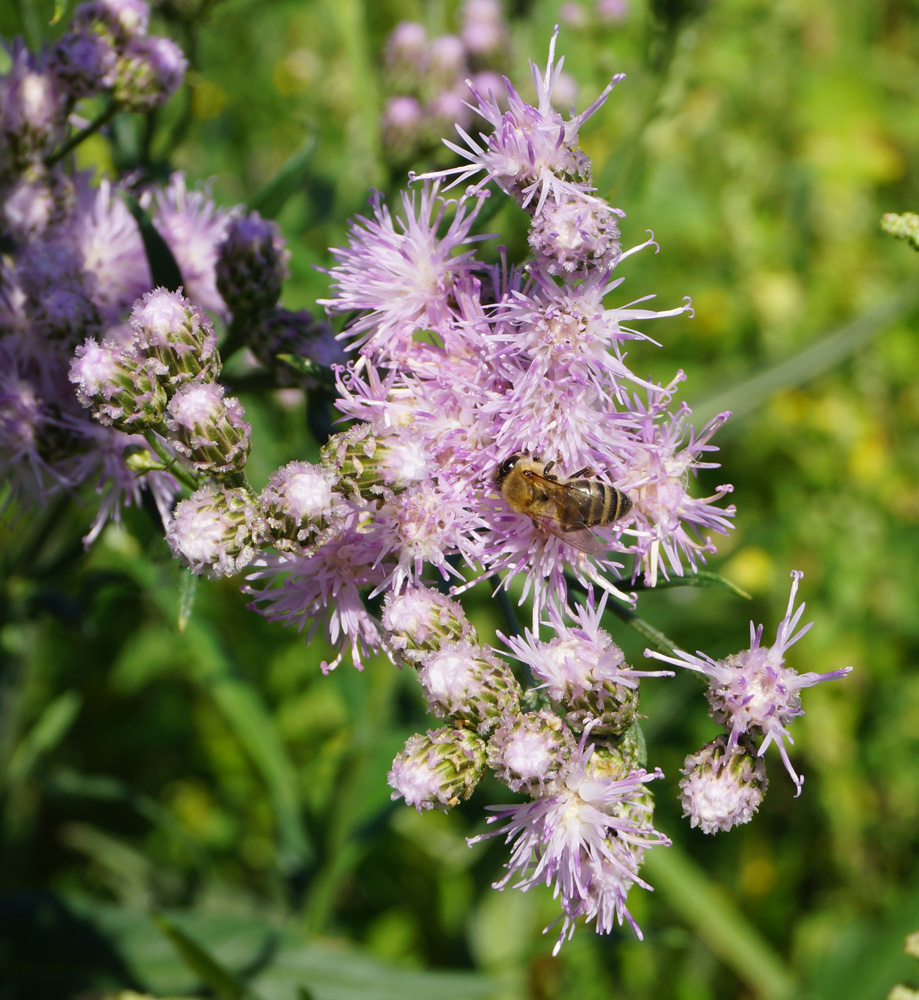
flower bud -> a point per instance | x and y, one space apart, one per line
368 463
298 503
251 265
422 620
216 531
298 349
439 768
721 790
148 72
84 62
208 430
169 329
575 235
118 385
119 20
468 683
527 752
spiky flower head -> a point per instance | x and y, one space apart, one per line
582 670
586 839
368 463
532 154
528 751
148 72
753 693
439 768
421 620
299 502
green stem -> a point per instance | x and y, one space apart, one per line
101 119
171 463
350 814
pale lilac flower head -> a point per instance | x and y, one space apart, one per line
216 531
721 790
528 751
148 71
299 502
753 693
177 335
570 235
35 204
402 124
399 273
438 769
533 153
582 669
208 429
112 250
420 619
484 29
193 228
406 56
32 112
469 684
586 839
119 386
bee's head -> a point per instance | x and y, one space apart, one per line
504 469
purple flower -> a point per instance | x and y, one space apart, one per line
216 531
111 248
323 588
586 839
753 692
193 228
533 152
720 790
438 769
400 272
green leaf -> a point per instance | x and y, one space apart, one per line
163 267
62 10
704 578
254 727
290 179
828 351
188 590
331 972
51 727
205 966
713 916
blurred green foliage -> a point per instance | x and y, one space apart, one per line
215 777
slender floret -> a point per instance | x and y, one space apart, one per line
753 692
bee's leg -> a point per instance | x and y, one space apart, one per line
547 471
586 471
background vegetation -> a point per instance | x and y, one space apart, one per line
206 811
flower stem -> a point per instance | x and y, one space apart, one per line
101 119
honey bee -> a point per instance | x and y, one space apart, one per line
530 487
